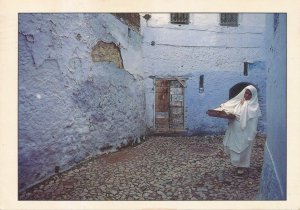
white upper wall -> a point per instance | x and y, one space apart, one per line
206 25
202 20
202 47
203 44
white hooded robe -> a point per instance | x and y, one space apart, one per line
240 135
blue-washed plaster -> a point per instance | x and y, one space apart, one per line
257 65
204 48
216 91
71 108
274 177
270 187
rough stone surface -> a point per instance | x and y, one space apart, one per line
203 47
68 104
161 168
107 52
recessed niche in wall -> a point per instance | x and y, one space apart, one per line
201 84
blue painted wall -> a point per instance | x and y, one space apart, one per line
216 91
70 107
203 47
273 180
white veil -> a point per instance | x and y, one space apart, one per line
243 109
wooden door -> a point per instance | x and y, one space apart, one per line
162 95
169 106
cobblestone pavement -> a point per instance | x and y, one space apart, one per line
161 168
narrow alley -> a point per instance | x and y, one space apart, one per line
160 168
95 89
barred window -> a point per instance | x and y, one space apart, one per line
229 19
180 18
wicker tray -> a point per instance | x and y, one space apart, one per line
220 114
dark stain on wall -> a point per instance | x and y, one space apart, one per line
130 19
103 51
84 97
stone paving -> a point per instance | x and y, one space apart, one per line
161 168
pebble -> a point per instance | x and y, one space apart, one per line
114 192
161 168
169 193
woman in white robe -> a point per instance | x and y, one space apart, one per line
240 135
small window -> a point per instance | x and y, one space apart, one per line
180 18
246 68
229 19
201 84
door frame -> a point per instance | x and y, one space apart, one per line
174 78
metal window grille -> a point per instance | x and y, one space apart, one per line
180 18
229 19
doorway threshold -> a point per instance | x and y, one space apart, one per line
169 133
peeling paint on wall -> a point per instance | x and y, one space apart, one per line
103 51
72 107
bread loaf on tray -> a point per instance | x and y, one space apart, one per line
220 114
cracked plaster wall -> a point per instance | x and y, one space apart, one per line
70 106
203 47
